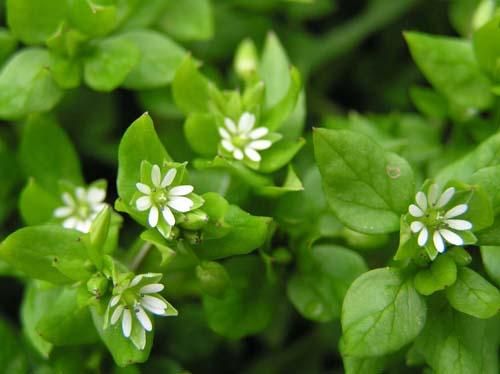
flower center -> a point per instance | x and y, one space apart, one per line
159 196
240 141
130 297
83 210
433 218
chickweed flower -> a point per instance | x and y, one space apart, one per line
161 197
132 302
243 140
432 219
81 207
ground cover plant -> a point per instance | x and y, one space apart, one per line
270 186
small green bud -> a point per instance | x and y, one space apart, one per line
194 220
174 233
460 256
192 237
246 61
97 285
213 278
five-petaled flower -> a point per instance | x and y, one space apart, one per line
132 301
432 219
243 140
162 197
81 207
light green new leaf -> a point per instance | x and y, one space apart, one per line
34 21
367 188
325 273
109 63
248 304
188 20
46 154
50 253
382 312
491 262
160 57
140 142
449 64
190 88
26 84
473 295
453 342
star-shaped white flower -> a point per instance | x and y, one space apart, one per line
81 208
131 304
436 221
243 140
160 197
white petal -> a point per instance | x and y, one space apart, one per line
116 314
258 133
432 194
252 154
153 216
96 195
143 203
181 190
83 226
230 125
63 211
114 300
169 177
81 194
224 134
70 223
260 144
153 304
237 154
438 242
68 199
416 226
421 200
168 216
458 224
181 204
422 237
451 237
144 188
143 318
415 211
152 288
456 211
227 145
140 341
135 281
156 176
445 197
126 323
246 122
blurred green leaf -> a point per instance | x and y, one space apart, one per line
188 20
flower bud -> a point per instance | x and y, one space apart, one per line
194 220
97 285
192 237
213 278
245 62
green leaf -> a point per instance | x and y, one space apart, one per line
249 303
473 295
442 273
279 155
246 234
124 352
36 204
449 64
12 355
188 20
213 277
486 49
201 133
8 44
490 235
34 21
140 142
159 59
109 63
190 88
491 262
325 272
453 342
367 188
93 17
66 71
292 183
51 160
66 324
382 312
49 253
429 102
362 365
26 84
488 178
98 235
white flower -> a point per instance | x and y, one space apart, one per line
132 302
436 221
160 197
81 208
243 140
